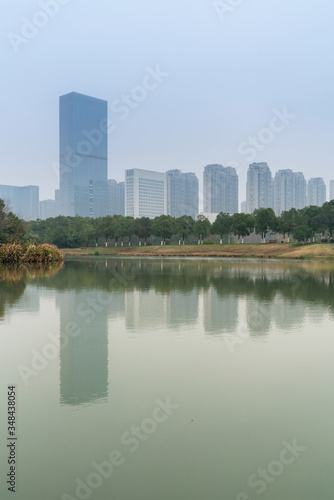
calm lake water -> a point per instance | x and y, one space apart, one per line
147 379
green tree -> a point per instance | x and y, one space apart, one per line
302 231
310 218
201 228
142 229
12 228
184 227
129 227
242 225
287 222
105 228
222 225
164 227
265 221
120 228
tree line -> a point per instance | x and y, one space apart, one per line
308 224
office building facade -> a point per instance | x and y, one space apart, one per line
331 190
47 209
182 193
316 192
259 187
145 193
83 152
23 201
220 189
116 197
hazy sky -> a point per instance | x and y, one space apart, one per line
225 67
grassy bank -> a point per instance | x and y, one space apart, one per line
268 251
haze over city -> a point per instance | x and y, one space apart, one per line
225 76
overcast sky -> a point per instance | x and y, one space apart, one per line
227 70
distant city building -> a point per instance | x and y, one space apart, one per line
220 189
57 202
243 207
316 192
299 190
259 187
182 193
331 190
23 201
47 209
145 193
283 191
83 151
116 197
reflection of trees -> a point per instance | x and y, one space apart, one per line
10 293
13 281
261 282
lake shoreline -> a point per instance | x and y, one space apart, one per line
267 251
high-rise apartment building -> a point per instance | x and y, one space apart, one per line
243 207
331 190
83 152
259 187
299 190
116 197
289 191
145 193
182 193
47 209
23 201
316 192
220 189
283 191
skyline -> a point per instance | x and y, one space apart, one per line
213 95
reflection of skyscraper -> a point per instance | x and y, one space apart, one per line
84 360
83 151
182 308
288 315
220 313
145 309
259 316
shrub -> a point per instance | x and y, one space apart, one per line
42 254
11 253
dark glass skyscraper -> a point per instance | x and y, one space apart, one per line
83 152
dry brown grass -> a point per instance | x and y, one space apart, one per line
268 251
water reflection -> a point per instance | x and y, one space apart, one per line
153 294
84 355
